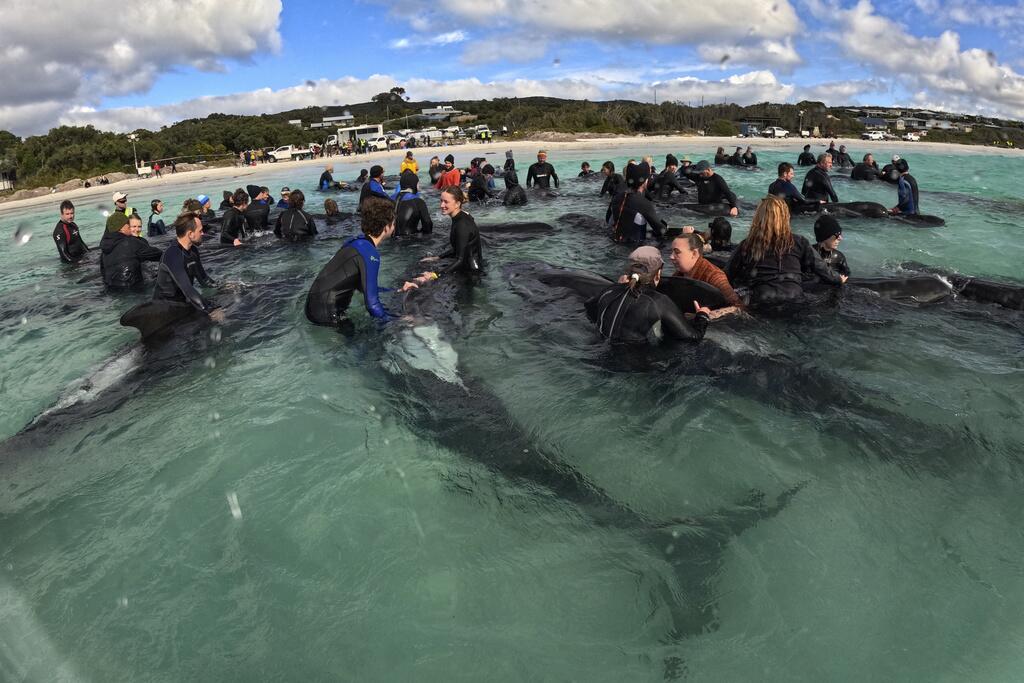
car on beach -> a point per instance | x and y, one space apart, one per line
775 132
872 135
289 152
912 137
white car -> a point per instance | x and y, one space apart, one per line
290 152
379 144
775 132
872 135
911 137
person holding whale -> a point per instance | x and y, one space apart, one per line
688 258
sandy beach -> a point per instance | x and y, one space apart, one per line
524 150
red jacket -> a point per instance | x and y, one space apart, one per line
449 178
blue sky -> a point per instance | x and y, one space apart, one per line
963 55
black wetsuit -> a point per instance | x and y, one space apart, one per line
232 226
294 225
721 158
714 190
540 175
750 159
155 226
435 173
70 246
326 181
178 270
913 188
630 214
843 159
478 189
817 186
613 184
835 259
354 268
889 174
796 201
806 159
515 195
834 153
372 188
465 246
863 171
625 315
412 215
121 259
736 159
664 184
257 216
774 279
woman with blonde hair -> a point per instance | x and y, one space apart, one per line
772 261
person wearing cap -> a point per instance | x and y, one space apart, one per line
749 158
155 226
181 266
122 254
70 246
282 203
772 261
514 194
806 158
326 181
613 182
687 172
828 234
257 214
666 182
450 176
630 212
411 212
633 310
409 164
374 187
118 218
784 187
712 188
688 258
479 188
233 223
206 214
294 224
817 184
843 158
541 173
889 173
906 195
865 170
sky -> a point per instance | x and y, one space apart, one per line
122 66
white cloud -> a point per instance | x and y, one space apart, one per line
426 41
777 53
756 86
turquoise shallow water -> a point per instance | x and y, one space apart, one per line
371 547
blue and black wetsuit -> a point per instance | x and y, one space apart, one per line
326 181
372 188
907 202
354 268
178 270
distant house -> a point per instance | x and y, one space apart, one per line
914 123
296 122
873 123
344 118
7 179
442 113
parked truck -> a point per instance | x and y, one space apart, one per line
290 152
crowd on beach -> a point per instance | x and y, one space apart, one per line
768 268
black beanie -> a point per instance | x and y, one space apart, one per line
637 174
408 180
902 166
825 227
449 159
670 160
487 169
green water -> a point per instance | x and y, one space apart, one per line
365 552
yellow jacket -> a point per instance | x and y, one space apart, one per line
409 164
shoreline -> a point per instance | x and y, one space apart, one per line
550 141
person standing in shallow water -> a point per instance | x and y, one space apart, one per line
541 173
70 246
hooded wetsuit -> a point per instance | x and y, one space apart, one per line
626 315
178 270
70 246
541 174
294 225
630 214
818 186
777 279
412 215
515 195
121 259
354 268
465 246
714 190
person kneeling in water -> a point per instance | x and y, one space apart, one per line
689 262
634 310
354 268
772 260
828 233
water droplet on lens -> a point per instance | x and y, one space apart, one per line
236 509
373 409
324 397
210 363
216 334
387 442
24 320
122 602
214 416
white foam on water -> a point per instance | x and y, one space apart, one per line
91 387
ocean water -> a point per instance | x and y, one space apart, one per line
831 497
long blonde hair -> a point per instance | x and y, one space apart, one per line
770 233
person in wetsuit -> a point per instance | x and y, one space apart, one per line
232 225
817 184
842 158
541 173
613 182
282 203
720 235
833 152
737 157
257 214
118 218
450 176
806 158
155 226
721 157
326 181
772 260
465 252
828 234
122 254
294 223
435 170
784 187
70 246
585 170
411 212
514 194
479 188
181 266
905 192
354 268
865 170
688 258
889 173
374 187
712 188
364 175
630 212
666 182
632 310
749 158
